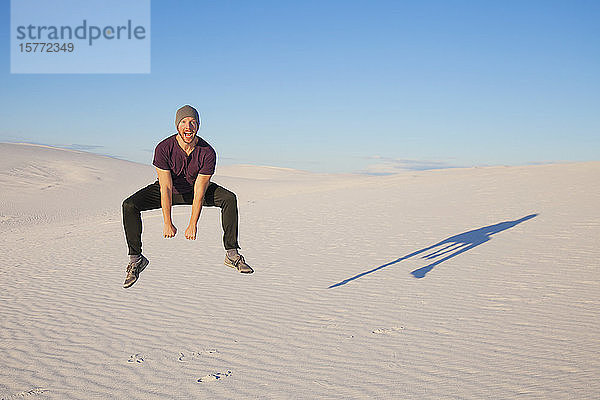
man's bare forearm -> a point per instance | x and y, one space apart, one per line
166 194
196 209
200 186
166 200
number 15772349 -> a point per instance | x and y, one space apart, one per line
53 47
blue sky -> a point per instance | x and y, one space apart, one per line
337 86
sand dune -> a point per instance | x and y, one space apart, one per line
457 284
44 184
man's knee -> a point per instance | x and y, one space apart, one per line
229 198
129 206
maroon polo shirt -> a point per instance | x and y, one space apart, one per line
184 169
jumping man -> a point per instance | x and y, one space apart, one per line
184 163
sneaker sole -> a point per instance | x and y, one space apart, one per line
241 272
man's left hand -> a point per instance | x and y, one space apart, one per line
190 232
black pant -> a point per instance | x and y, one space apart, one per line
148 198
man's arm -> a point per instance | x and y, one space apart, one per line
200 186
166 200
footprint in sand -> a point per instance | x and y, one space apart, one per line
136 358
388 331
214 377
185 357
27 393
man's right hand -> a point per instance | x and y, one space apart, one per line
169 230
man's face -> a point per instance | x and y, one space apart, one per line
187 129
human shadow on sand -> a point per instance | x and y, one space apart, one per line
447 248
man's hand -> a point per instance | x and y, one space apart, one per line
190 232
169 230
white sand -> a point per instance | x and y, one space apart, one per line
334 309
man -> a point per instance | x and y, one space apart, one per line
184 163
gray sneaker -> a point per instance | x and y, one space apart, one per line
238 263
133 271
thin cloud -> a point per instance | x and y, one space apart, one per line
82 147
389 165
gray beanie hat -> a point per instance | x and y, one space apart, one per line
186 111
